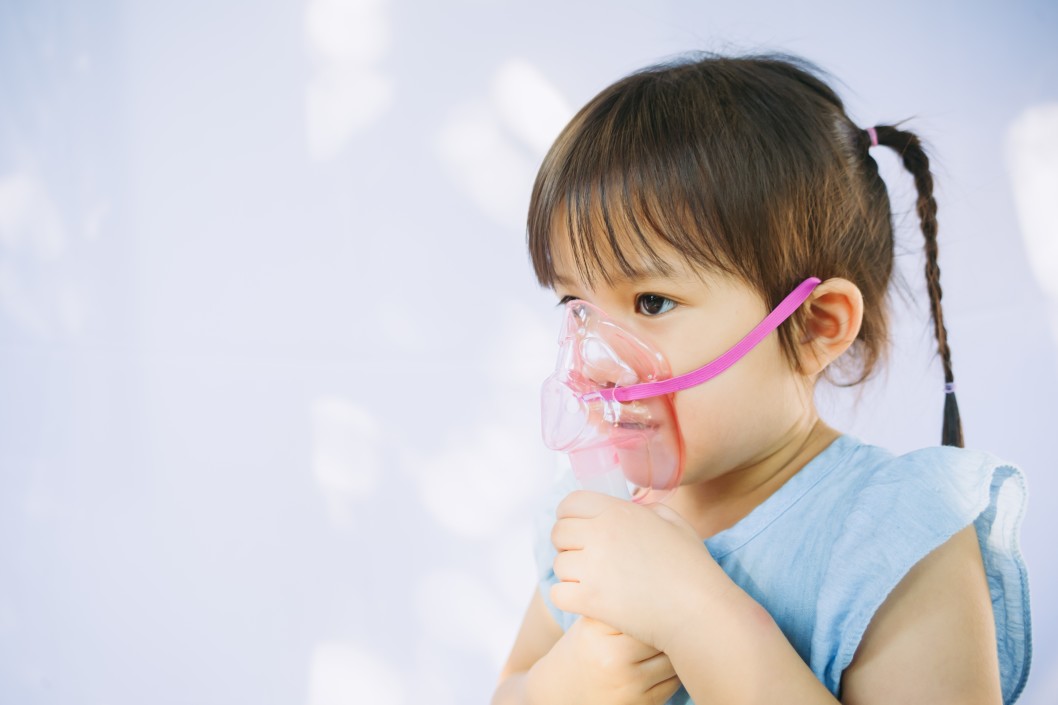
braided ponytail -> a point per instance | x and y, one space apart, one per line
908 146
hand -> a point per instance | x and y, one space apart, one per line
637 568
593 664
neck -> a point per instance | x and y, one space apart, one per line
720 503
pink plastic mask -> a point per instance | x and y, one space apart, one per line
609 404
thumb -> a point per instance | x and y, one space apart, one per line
598 626
673 517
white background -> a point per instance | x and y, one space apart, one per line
270 344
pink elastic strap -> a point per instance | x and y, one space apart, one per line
873 134
703 374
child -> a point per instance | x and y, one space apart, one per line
792 564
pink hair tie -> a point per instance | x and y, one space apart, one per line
873 134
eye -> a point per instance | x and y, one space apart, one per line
565 300
653 304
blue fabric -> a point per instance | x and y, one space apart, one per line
824 551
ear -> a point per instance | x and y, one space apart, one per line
835 313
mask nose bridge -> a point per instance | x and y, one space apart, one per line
595 343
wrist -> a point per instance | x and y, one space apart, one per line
697 604
704 609
731 641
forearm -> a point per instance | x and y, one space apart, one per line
734 653
511 690
527 688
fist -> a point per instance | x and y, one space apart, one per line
594 664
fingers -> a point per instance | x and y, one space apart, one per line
566 536
627 649
656 668
660 693
583 504
565 596
567 566
645 657
569 534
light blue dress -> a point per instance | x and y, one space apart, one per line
824 551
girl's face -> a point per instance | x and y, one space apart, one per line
747 413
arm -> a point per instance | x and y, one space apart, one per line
932 641
538 633
729 650
591 664
645 571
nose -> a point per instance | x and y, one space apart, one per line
602 352
603 366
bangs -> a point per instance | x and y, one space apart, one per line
621 231
622 187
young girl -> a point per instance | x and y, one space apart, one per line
792 564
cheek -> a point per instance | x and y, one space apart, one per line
750 386
714 416
734 415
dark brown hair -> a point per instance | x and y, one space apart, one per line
743 165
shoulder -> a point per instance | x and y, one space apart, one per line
929 491
865 489
898 510
933 639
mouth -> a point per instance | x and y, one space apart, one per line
635 426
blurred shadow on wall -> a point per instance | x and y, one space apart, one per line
1032 161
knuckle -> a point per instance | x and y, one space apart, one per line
558 598
559 565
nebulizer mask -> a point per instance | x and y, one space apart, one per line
609 404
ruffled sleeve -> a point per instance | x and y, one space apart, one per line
544 551
917 502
